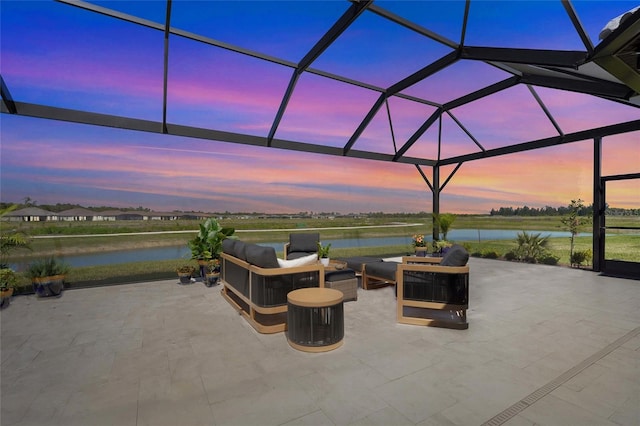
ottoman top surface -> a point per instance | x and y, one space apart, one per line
315 297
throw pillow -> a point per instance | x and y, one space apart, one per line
456 256
301 261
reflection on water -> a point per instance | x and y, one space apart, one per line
166 253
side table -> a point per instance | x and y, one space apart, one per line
315 319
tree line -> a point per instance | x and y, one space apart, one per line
560 211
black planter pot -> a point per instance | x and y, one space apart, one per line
5 298
49 286
185 278
211 279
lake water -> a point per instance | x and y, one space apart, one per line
166 253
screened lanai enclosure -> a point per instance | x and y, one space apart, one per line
431 84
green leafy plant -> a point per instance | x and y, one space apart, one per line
438 245
549 259
444 221
11 239
213 266
531 247
418 240
490 254
579 257
207 244
573 222
511 255
8 279
49 267
323 251
185 269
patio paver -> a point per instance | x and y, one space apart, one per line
545 346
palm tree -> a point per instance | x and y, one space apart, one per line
531 247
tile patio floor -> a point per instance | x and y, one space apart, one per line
545 346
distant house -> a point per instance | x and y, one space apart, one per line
107 215
32 214
131 215
76 215
159 216
80 214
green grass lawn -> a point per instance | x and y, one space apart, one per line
621 246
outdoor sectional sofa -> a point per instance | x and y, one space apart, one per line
257 287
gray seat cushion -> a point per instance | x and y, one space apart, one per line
261 256
386 270
343 274
456 256
299 254
357 262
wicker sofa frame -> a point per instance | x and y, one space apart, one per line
260 294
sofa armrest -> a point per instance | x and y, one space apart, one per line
434 268
270 272
235 260
421 260
287 246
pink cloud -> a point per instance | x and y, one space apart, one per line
575 111
325 111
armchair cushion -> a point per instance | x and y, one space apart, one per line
456 256
264 257
301 261
304 242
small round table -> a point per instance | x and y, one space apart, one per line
315 319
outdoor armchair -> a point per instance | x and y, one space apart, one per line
434 291
301 244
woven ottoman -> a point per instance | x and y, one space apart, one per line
344 280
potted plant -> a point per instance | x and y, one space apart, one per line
213 273
47 276
323 253
441 247
419 245
184 273
207 244
8 281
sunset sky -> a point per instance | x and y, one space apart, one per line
60 55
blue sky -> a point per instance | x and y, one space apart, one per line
60 55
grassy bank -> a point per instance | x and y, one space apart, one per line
69 238
268 230
625 247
